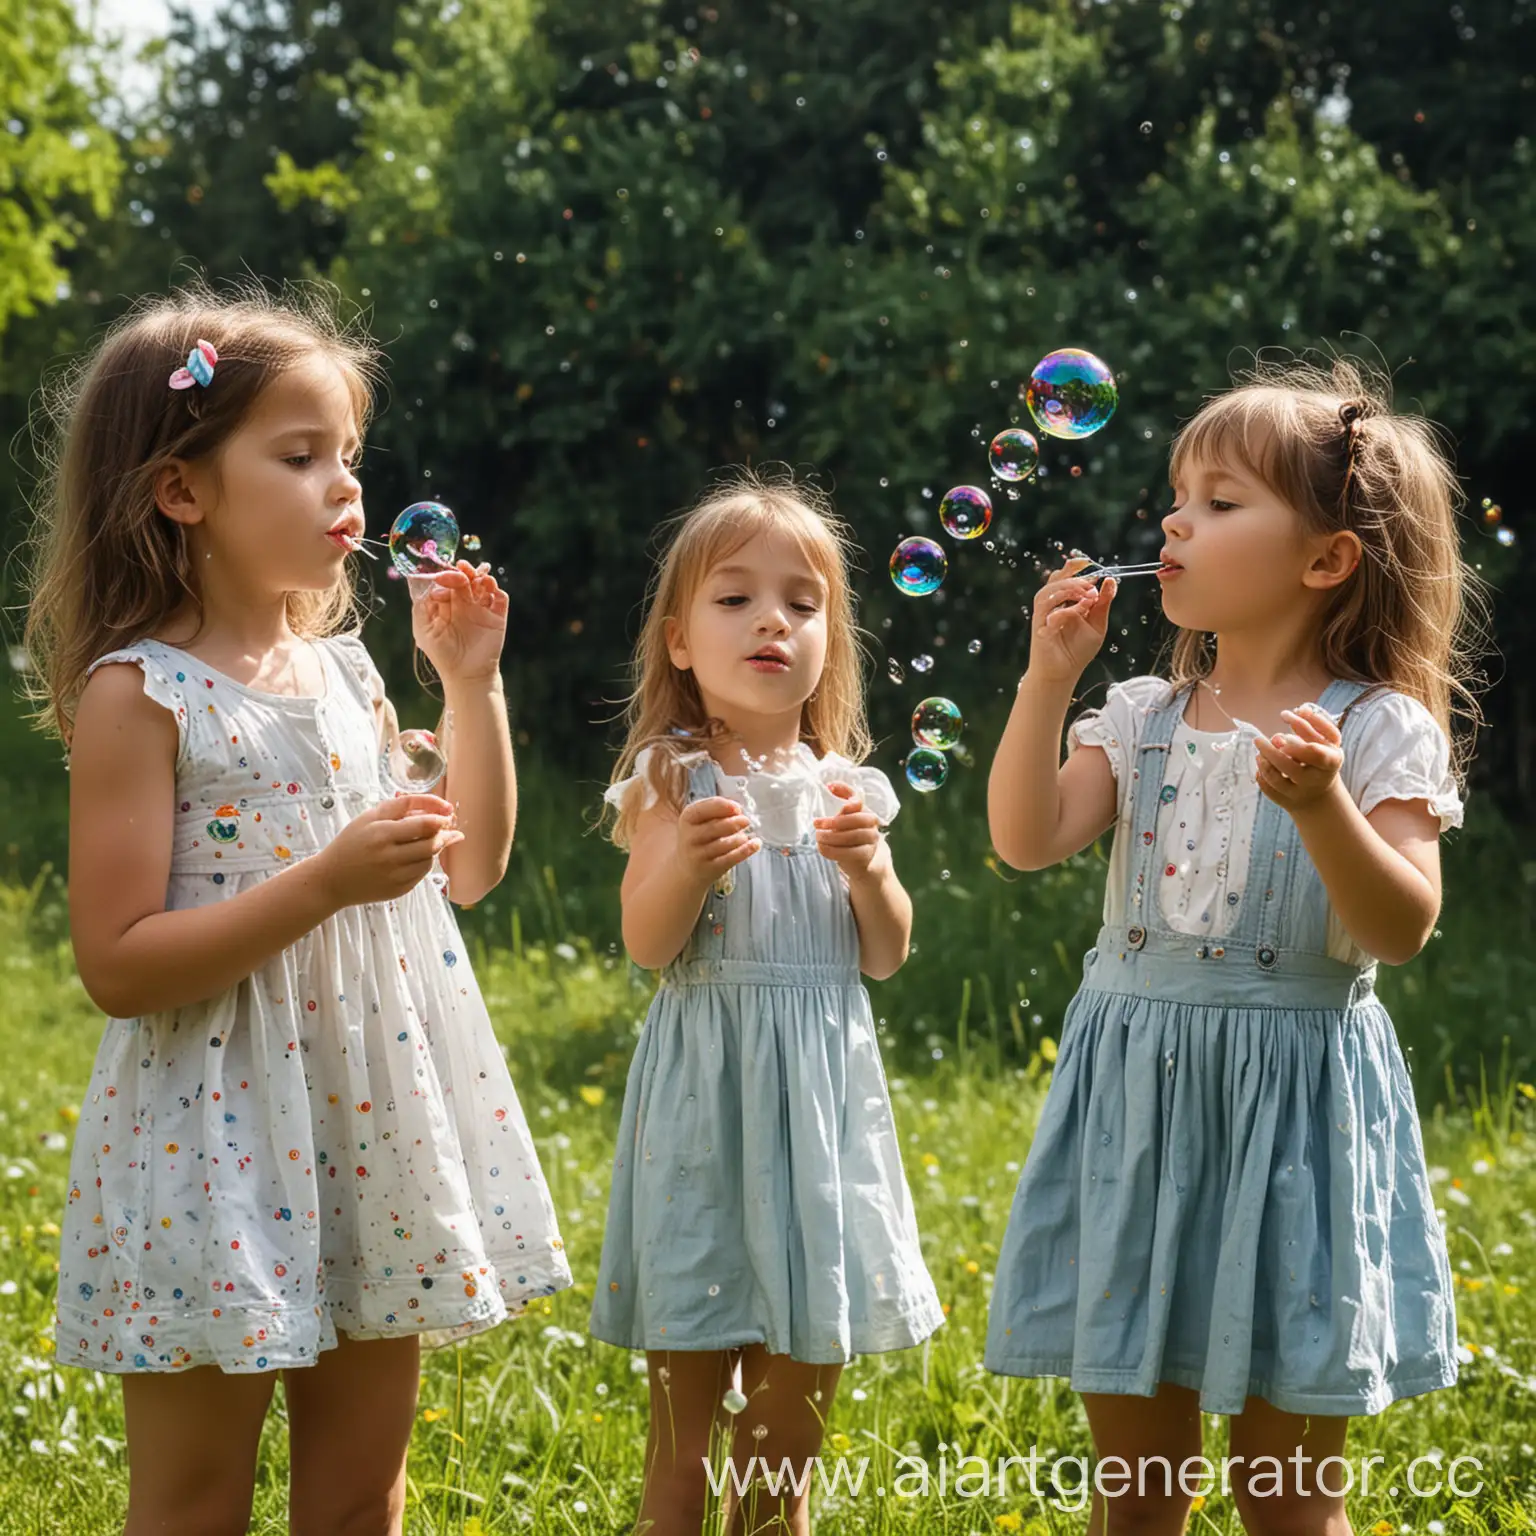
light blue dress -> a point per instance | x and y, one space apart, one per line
758 1194
1227 1189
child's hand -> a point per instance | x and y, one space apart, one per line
1296 771
1069 622
851 839
384 851
713 836
459 620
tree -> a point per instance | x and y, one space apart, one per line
58 166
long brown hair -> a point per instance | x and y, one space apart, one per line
105 567
664 710
1414 616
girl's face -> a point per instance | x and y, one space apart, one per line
755 634
273 509
1245 558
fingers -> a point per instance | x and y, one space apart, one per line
714 808
415 803
856 820
1312 723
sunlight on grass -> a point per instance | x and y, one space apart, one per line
536 1427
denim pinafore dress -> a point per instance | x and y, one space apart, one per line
758 1194
1227 1190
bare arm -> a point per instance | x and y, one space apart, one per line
883 911
133 956
1039 809
1381 872
481 782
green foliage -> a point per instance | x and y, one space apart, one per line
58 166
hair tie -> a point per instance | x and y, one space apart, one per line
1351 414
199 369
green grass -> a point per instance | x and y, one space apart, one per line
536 1427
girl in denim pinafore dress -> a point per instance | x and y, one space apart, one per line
1227 1189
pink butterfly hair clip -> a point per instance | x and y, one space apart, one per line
199 369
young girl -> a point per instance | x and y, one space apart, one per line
760 1228
1226 1206
300 1150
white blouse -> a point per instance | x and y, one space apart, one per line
1400 754
781 804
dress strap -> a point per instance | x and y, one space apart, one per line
1148 772
703 780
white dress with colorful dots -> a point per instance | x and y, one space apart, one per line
333 1143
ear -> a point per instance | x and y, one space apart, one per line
1334 559
677 648
176 495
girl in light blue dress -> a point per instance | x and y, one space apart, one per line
760 1229
1225 1206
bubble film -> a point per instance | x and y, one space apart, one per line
918 566
937 723
966 512
926 769
424 539
1014 454
1071 393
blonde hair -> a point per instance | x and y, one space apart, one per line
105 568
1414 616
664 710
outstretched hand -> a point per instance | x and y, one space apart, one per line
1300 768
459 621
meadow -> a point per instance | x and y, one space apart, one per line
535 1426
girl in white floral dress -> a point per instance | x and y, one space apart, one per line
300 1149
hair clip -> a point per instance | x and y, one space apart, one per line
199 369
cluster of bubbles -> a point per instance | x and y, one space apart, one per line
936 727
1070 394
1493 517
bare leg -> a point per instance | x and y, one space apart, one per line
192 1444
782 1425
1284 1497
687 1388
1133 1428
349 1424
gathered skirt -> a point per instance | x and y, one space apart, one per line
758 1194
1231 1199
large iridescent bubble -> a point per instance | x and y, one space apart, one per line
424 539
926 769
918 566
966 512
1014 454
1071 393
937 723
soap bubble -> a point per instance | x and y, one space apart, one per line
414 762
974 647
733 1401
1071 393
926 769
966 512
918 566
893 670
1506 537
424 539
471 543
1014 454
937 723
922 663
